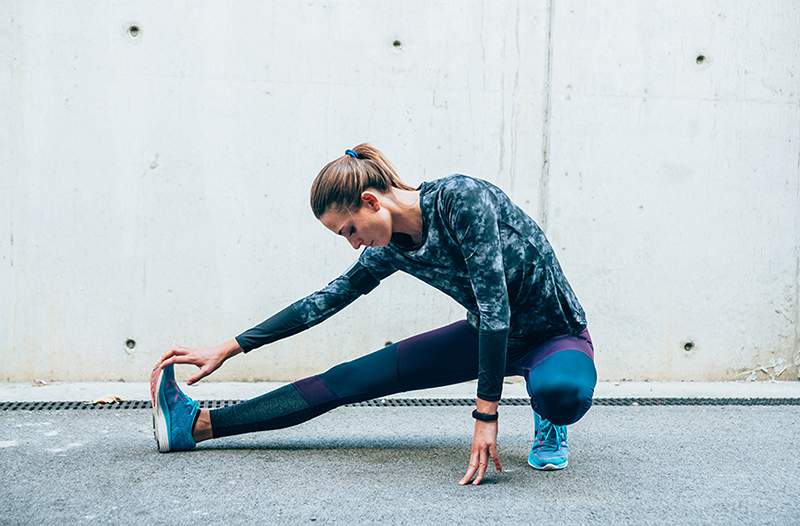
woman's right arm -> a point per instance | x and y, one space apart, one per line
316 307
295 318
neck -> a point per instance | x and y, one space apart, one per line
407 214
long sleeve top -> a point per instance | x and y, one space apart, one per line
479 248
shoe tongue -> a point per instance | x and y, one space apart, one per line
549 436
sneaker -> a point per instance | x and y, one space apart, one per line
173 412
549 450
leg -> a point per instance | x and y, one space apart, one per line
440 357
560 376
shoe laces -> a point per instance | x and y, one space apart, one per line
549 437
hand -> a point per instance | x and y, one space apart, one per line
484 446
208 360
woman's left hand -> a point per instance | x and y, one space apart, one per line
484 447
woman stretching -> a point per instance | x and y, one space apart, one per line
465 237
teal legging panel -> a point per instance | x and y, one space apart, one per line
562 385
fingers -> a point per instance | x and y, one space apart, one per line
483 463
202 373
174 351
479 462
473 466
496 458
153 377
180 359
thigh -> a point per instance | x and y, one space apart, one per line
443 356
537 354
435 358
560 376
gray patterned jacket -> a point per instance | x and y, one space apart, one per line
477 247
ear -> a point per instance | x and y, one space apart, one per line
371 200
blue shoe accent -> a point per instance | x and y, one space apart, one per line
549 450
173 412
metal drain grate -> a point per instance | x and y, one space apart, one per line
405 402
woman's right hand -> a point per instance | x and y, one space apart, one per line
207 359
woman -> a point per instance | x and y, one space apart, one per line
463 236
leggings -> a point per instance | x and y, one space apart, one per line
559 373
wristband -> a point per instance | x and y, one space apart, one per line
484 417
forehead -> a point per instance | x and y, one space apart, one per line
336 219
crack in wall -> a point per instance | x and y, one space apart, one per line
796 360
483 47
545 175
502 133
514 112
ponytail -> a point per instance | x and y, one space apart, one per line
340 182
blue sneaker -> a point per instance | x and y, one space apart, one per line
549 450
173 412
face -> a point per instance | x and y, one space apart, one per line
370 225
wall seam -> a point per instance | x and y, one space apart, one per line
544 179
796 349
514 109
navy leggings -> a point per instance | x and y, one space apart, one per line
560 376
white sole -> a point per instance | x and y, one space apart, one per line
159 420
549 467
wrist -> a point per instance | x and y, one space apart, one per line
230 348
485 406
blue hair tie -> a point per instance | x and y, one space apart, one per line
351 153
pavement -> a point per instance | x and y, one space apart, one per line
727 464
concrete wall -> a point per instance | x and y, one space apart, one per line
154 187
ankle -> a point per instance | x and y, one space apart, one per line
202 426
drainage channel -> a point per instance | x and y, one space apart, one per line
404 402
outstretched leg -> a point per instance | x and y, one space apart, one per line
440 357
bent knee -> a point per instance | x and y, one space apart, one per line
562 403
562 386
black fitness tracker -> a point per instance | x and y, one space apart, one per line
485 417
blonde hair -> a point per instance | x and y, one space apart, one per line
340 182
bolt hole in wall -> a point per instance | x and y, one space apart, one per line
688 346
397 43
130 344
133 31
700 59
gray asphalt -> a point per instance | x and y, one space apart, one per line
629 465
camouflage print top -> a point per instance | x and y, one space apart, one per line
477 247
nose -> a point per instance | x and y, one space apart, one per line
355 244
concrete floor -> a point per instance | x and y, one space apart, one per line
629 465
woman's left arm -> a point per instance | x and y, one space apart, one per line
475 223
